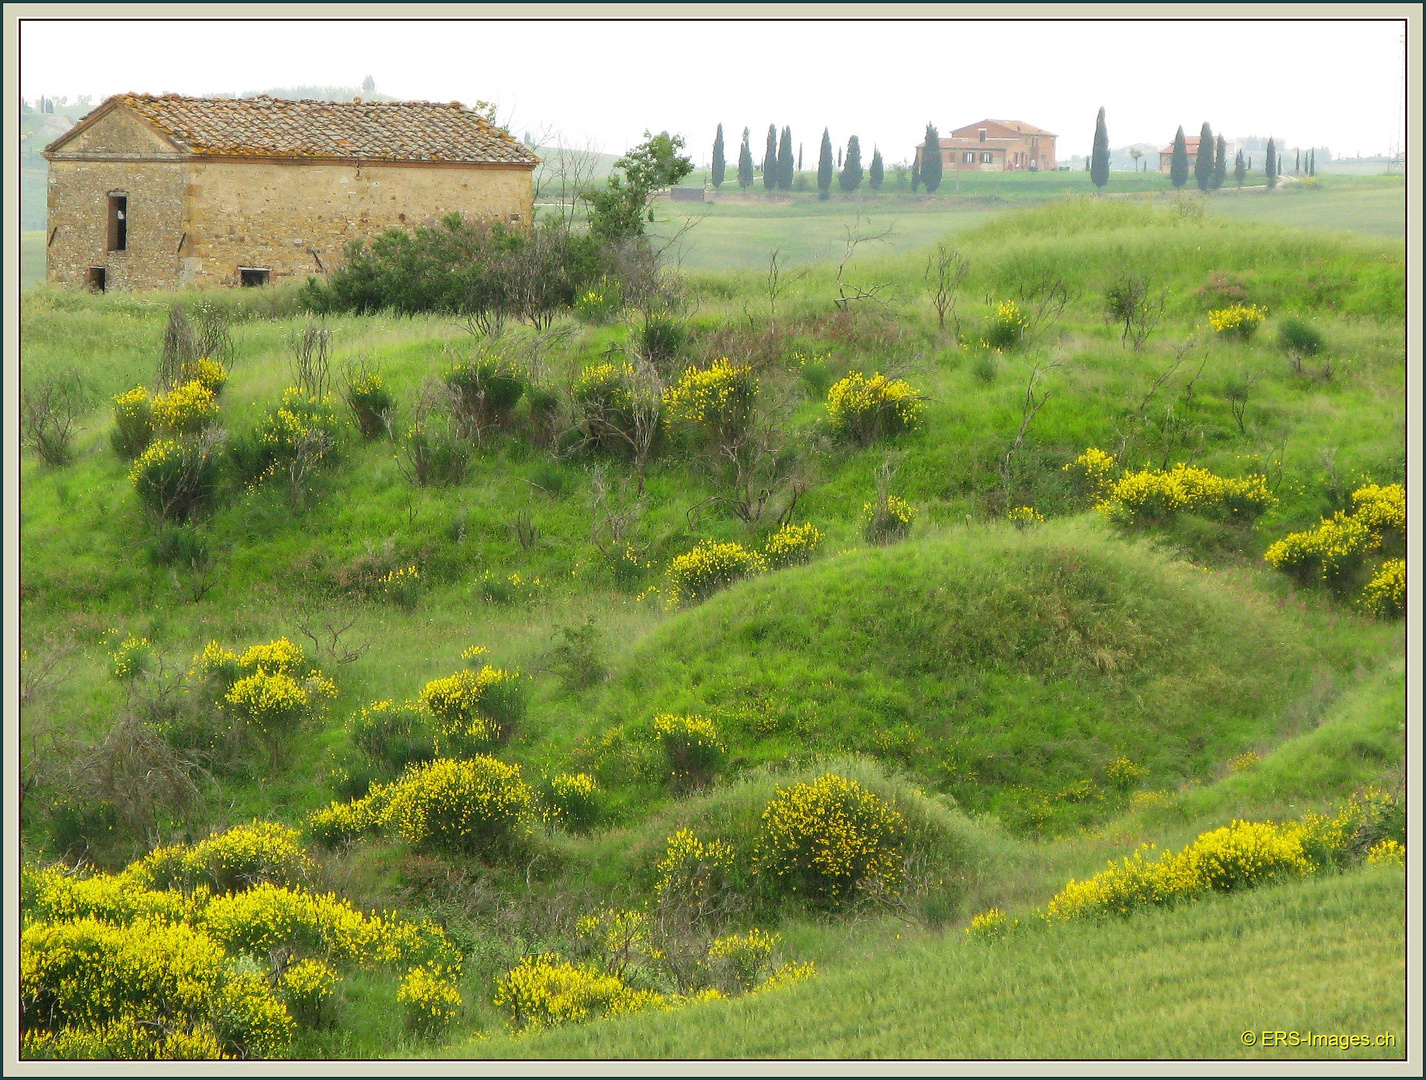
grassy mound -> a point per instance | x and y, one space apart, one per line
1012 670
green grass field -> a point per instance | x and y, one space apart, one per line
1032 702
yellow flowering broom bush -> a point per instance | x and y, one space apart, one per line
826 841
429 998
228 862
392 734
1335 549
545 991
709 568
175 478
792 545
1385 593
887 521
474 710
573 800
185 410
1094 470
1005 327
865 410
206 372
719 399
307 987
475 807
1240 320
1155 496
133 423
132 658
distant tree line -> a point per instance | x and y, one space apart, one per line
780 167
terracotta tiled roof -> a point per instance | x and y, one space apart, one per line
1190 142
369 130
1022 127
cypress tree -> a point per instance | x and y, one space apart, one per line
1312 162
1203 161
1220 163
1297 165
839 157
745 163
799 157
824 167
1099 157
1270 165
720 163
931 160
1240 170
851 177
785 168
877 173
1178 164
770 159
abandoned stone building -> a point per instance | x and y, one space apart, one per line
996 146
157 192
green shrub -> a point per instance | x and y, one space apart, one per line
707 569
865 410
392 735
485 390
461 808
1298 338
604 402
403 587
1006 327
985 368
599 303
661 338
371 402
829 840
133 423
273 704
132 659
434 455
176 478
573 800
691 746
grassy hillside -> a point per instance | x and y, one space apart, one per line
1031 701
1184 984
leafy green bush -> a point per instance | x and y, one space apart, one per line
462 808
392 735
176 479
691 746
1005 327
887 520
434 455
371 402
573 800
1299 338
485 390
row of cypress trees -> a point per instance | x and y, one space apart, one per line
1210 169
779 168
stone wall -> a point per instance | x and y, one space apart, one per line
293 219
78 235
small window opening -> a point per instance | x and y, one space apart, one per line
982 134
253 276
118 222
96 278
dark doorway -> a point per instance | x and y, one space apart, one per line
253 276
96 278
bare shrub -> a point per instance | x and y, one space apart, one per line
1133 303
310 366
49 407
946 268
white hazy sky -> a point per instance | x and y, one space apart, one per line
1324 83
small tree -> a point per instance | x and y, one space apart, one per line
877 173
931 160
368 85
720 163
851 177
617 211
1178 164
1136 154
1240 170
824 167
1203 161
1270 166
1220 163
770 159
1099 157
785 169
745 162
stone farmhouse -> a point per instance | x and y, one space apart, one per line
1166 154
158 192
996 146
